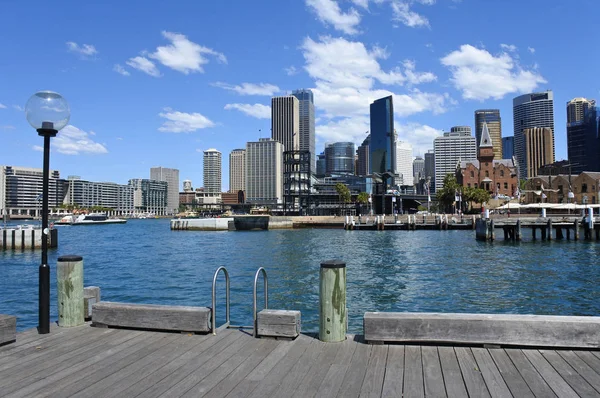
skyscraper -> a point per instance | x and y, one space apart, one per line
264 171
404 163
418 168
321 165
285 122
237 170
538 149
494 123
583 141
339 158
531 110
508 147
307 123
456 145
430 168
212 171
171 176
383 137
363 164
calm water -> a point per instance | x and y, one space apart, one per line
144 262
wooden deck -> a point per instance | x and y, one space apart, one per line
94 362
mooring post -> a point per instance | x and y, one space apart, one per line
568 233
518 233
543 231
69 275
549 227
533 228
333 317
576 230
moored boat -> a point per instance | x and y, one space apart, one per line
89 219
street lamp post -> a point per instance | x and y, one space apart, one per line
47 112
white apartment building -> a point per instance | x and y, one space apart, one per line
448 150
264 171
404 163
237 170
212 170
171 176
88 194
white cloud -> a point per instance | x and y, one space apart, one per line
18 108
531 50
145 65
420 136
362 3
184 55
258 111
509 47
291 71
85 50
481 75
7 127
74 141
413 77
250 88
119 69
329 12
2 106
181 122
402 13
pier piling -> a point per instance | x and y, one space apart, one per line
549 228
69 275
333 317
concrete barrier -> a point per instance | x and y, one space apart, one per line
479 329
25 238
201 224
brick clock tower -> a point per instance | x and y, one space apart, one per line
486 161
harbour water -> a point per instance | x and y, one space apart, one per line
143 261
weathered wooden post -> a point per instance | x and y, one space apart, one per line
576 230
492 231
333 318
549 227
69 275
518 232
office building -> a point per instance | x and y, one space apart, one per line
538 149
264 172
491 117
285 122
306 110
535 110
237 170
508 147
430 169
321 165
382 145
448 149
418 168
461 130
339 158
583 139
108 195
404 163
363 163
149 196
212 171
171 176
21 190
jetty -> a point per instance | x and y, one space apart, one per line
25 237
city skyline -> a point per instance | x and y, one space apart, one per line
185 80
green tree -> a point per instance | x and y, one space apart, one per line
447 194
343 193
362 198
476 195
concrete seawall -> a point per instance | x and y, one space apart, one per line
25 238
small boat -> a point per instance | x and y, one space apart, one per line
89 219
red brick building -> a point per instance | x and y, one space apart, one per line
498 177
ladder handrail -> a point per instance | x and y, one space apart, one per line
214 300
266 292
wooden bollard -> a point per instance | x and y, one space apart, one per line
69 275
518 232
333 318
549 227
576 230
492 231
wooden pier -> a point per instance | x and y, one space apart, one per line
93 362
549 228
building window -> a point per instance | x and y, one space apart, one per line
506 185
583 188
487 173
469 185
472 174
501 173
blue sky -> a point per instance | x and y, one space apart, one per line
153 83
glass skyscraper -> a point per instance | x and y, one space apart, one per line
339 158
508 147
307 123
383 138
494 123
583 141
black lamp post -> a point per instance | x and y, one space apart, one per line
47 112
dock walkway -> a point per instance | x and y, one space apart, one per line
93 362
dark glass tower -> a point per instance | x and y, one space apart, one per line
383 139
307 122
583 141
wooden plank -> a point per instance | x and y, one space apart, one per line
432 372
335 375
584 370
534 380
174 371
353 380
413 372
471 374
8 328
569 374
373 381
317 372
274 379
453 380
153 317
513 379
199 368
491 375
560 387
394 372
279 323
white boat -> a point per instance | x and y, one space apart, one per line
88 219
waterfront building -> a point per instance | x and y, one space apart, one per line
529 111
212 171
454 146
321 165
171 176
585 187
583 139
430 169
363 164
418 168
21 190
237 170
404 163
285 122
339 158
306 110
382 146
497 176
87 194
149 196
264 172
537 149
491 117
508 147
